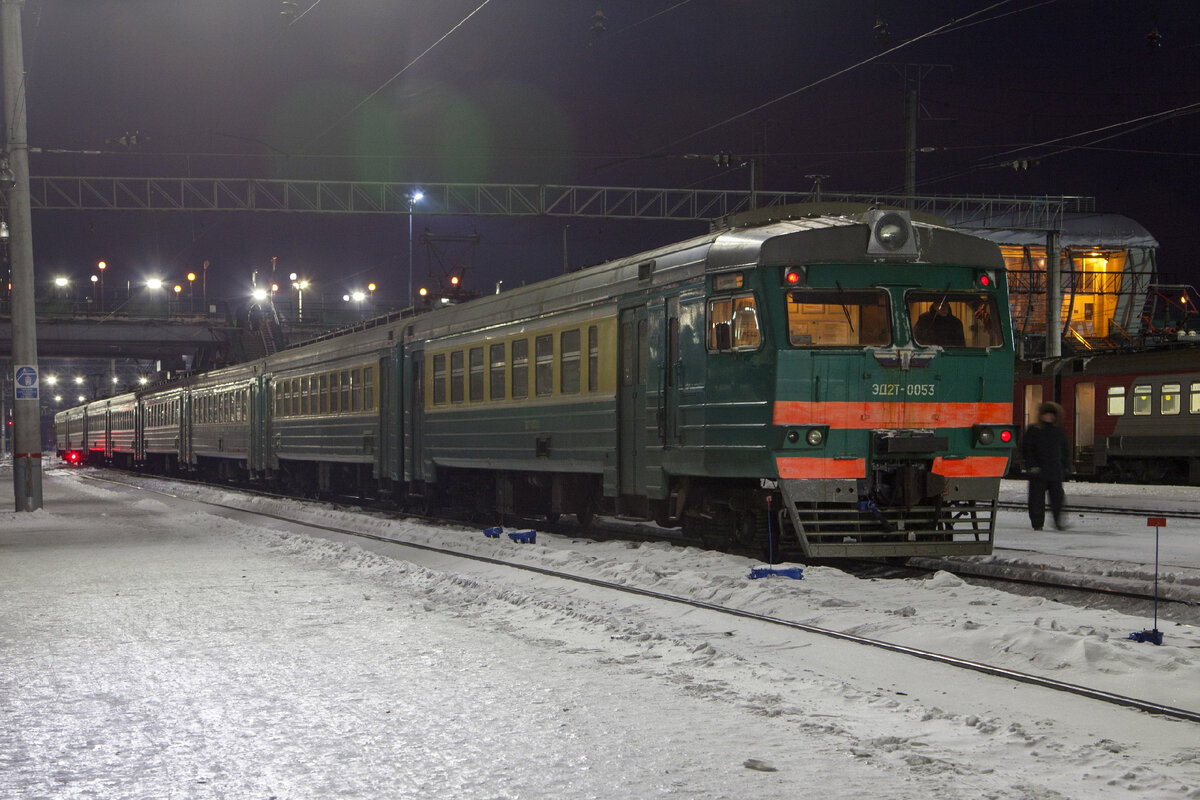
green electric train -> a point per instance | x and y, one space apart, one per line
824 386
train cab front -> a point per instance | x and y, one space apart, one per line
894 404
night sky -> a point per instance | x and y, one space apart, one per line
528 92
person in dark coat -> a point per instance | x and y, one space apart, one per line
1047 461
939 326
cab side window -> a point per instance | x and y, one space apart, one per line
733 323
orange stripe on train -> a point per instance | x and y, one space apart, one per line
809 468
865 415
971 467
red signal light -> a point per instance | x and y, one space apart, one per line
792 277
985 280
1006 436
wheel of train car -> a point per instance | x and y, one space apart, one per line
586 516
750 535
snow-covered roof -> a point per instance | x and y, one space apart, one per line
1077 230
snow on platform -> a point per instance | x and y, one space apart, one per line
154 647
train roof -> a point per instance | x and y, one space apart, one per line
810 239
1075 230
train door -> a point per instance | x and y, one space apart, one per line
254 418
1085 419
1033 399
388 427
139 432
672 369
416 415
183 444
634 350
108 437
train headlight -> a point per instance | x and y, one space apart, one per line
814 437
891 234
986 436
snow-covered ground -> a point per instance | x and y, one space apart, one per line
155 647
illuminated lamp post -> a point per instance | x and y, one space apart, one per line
357 296
101 266
299 284
94 279
153 285
414 198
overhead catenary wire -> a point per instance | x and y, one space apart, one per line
392 79
933 32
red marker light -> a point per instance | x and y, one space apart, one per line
985 280
1006 436
792 277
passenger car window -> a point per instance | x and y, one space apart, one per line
520 369
544 376
496 356
1141 401
1116 401
569 363
1169 399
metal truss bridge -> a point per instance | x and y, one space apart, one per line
506 199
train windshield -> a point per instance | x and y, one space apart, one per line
839 318
954 319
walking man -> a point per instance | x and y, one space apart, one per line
1047 461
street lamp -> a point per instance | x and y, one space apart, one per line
102 265
299 284
414 198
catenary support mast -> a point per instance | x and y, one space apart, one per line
27 433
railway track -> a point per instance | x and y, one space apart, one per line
626 589
1114 510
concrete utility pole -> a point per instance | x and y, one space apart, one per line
27 420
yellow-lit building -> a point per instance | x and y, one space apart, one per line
1106 268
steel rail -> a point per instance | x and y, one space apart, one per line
1117 511
952 661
